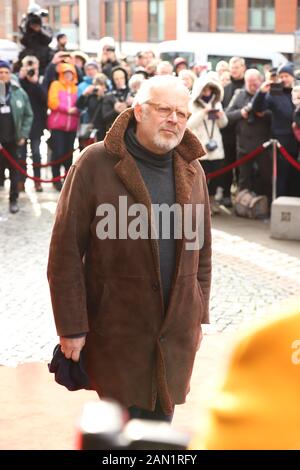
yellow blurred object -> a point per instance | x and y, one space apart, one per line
258 405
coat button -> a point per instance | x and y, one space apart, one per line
155 286
162 339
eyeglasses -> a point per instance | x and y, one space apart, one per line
166 111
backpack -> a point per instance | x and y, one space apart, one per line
249 204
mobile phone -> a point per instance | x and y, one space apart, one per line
276 89
212 114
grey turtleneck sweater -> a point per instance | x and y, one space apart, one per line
158 174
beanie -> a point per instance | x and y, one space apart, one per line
287 68
4 64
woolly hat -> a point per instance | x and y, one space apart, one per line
4 64
257 407
287 68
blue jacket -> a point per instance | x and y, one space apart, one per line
87 81
282 109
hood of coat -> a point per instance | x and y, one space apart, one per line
199 85
62 68
189 148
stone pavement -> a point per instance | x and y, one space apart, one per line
248 276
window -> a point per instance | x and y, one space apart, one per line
128 20
261 15
156 20
225 15
56 16
199 16
109 17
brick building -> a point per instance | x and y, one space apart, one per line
132 23
251 25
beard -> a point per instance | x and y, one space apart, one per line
166 144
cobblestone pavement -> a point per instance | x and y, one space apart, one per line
247 277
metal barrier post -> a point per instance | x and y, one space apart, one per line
274 166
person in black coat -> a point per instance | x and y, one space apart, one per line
91 100
252 130
279 102
118 100
29 81
237 69
36 39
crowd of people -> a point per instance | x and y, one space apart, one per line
233 111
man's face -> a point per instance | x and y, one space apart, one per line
119 79
161 122
237 70
252 84
287 80
4 75
63 41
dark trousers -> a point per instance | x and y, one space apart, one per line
156 415
36 156
209 166
227 178
12 149
62 143
256 175
288 178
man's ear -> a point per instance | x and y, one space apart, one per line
138 112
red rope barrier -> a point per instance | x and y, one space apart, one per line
243 160
288 157
21 170
60 160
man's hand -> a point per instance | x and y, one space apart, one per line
71 347
244 113
265 87
21 142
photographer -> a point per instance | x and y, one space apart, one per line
36 38
252 129
206 121
91 100
29 81
118 100
277 98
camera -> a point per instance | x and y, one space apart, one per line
30 72
251 117
211 145
276 88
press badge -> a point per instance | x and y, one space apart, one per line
4 109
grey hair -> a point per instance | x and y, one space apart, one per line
235 59
250 72
154 83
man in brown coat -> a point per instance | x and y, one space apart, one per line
135 300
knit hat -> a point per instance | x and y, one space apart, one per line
257 407
91 63
287 68
4 64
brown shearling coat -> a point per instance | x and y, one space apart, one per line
111 289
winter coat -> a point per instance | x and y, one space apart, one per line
61 97
135 351
21 111
199 116
251 132
282 109
38 101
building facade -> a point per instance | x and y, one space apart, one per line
134 24
237 25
